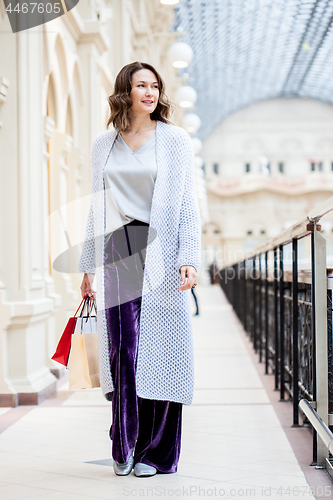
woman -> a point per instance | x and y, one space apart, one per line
143 243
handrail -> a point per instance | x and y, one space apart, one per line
323 209
317 423
298 230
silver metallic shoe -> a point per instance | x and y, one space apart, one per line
123 469
144 470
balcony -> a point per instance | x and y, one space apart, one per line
252 182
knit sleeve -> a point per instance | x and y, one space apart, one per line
189 231
87 259
87 262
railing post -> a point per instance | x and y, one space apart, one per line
295 333
245 299
329 347
266 312
276 324
282 335
254 272
236 302
319 326
235 288
260 311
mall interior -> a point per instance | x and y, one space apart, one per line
251 81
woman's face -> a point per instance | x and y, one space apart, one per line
145 92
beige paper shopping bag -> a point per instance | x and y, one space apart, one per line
91 348
83 370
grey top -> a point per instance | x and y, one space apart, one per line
129 179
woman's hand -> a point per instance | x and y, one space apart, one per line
87 285
190 273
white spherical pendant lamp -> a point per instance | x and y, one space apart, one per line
197 145
191 123
198 162
180 54
186 96
199 173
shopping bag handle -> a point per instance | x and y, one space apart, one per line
92 305
85 306
88 306
83 300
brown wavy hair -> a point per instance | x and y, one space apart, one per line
120 101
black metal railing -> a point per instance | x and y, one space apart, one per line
269 322
283 312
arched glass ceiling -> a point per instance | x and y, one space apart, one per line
250 50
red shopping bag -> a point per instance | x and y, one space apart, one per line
64 345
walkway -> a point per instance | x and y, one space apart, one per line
233 446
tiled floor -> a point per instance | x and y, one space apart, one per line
233 444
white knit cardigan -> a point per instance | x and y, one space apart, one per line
165 361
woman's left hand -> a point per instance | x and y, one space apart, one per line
191 274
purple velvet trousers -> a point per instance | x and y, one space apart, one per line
150 429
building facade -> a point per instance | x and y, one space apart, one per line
266 167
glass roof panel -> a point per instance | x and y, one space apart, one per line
250 50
